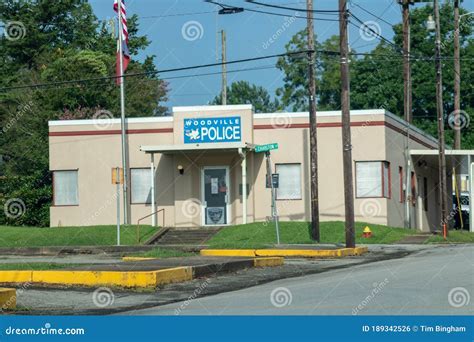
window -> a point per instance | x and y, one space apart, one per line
65 188
373 179
289 181
387 182
402 186
413 189
141 186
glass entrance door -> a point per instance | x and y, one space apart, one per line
216 195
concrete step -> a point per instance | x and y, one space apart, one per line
181 236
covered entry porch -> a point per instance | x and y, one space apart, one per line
207 183
426 162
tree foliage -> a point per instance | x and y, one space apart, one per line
242 92
377 77
60 41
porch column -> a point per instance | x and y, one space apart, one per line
244 185
153 209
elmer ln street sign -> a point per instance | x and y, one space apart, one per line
266 147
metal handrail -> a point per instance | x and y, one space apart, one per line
144 217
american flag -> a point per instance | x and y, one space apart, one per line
124 36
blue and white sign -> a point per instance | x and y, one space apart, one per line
212 130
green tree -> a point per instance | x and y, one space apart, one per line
377 77
242 92
294 93
377 80
57 41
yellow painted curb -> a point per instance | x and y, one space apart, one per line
303 253
98 278
174 275
7 298
361 250
129 258
307 253
16 276
229 252
268 262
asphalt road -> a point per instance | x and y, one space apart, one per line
435 281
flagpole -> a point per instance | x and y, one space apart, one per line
122 115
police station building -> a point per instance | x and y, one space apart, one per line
204 166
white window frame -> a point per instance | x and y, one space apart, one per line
73 203
282 179
385 185
147 179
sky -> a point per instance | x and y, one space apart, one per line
185 33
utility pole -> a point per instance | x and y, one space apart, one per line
406 61
224 70
122 115
440 115
407 101
313 140
457 91
346 126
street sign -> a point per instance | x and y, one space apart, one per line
266 147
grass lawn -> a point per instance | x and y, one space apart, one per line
33 266
163 253
455 236
261 234
71 236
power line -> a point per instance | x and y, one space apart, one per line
381 15
288 15
150 73
372 14
176 15
335 12
372 31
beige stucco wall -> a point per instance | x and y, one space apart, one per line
94 156
396 143
96 153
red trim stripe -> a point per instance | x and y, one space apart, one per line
110 132
266 126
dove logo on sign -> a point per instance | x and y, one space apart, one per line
212 130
